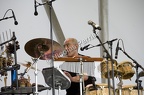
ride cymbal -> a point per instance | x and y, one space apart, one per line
41 48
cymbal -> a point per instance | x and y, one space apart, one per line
28 65
41 48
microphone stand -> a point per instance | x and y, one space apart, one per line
107 56
6 18
137 66
110 44
51 36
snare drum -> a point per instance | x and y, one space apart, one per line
102 89
129 90
104 71
127 70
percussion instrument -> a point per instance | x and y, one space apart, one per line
28 66
23 82
102 89
41 47
104 71
127 68
129 90
73 64
4 62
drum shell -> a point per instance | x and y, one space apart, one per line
129 90
24 82
104 71
126 68
102 89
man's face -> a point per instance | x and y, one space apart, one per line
70 47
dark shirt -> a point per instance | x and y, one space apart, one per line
74 89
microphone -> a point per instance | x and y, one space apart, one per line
35 13
116 51
15 21
94 25
85 47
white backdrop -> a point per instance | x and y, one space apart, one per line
125 22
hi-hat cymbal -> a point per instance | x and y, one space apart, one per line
29 65
41 48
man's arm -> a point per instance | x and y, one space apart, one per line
76 78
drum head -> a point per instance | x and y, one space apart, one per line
126 69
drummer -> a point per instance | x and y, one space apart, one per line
71 46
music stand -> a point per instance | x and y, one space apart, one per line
61 80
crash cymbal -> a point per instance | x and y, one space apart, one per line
41 48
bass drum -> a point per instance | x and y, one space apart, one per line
129 90
101 89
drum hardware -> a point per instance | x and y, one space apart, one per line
140 86
28 66
81 77
109 70
13 67
108 56
141 74
136 67
41 48
36 71
119 75
21 91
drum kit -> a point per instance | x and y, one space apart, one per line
41 48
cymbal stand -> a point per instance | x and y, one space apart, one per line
51 36
107 56
36 71
120 83
137 65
